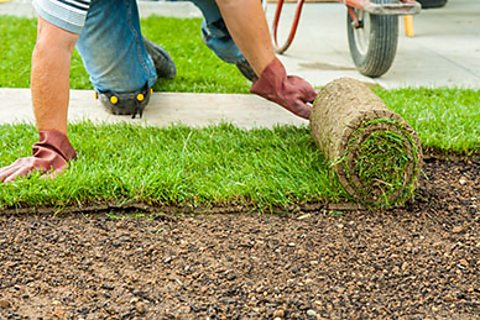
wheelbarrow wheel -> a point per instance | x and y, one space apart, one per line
373 44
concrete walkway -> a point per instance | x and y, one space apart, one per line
165 109
444 52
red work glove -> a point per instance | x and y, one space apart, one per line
291 92
50 154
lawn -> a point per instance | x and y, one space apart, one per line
176 166
199 69
213 166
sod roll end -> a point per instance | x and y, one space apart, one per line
376 154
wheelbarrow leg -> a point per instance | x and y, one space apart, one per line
408 24
281 47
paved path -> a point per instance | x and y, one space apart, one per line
444 52
196 110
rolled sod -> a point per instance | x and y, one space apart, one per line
376 154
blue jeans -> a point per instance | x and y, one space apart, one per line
113 52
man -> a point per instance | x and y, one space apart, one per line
116 57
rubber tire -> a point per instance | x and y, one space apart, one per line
382 47
431 4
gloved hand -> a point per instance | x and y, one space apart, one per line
291 92
50 154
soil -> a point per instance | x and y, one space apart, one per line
418 262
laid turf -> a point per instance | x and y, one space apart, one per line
178 165
446 119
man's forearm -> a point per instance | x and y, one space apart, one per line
50 93
248 27
51 76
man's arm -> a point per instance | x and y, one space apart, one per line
248 27
51 76
50 94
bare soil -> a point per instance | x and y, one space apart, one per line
419 262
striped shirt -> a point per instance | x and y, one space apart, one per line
69 15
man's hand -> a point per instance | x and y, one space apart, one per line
50 154
253 39
291 92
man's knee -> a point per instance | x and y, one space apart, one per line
111 47
51 37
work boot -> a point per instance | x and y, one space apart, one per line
132 104
246 70
164 64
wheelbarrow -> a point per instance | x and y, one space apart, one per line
372 27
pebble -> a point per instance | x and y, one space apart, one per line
59 313
304 216
124 239
184 310
464 262
108 286
4 304
462 181
311 313
134 300
231 276
457 229
140 307
279 314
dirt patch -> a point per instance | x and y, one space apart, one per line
422 262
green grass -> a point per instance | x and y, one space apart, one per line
446 119
199 69
176 166
386 163
214 166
